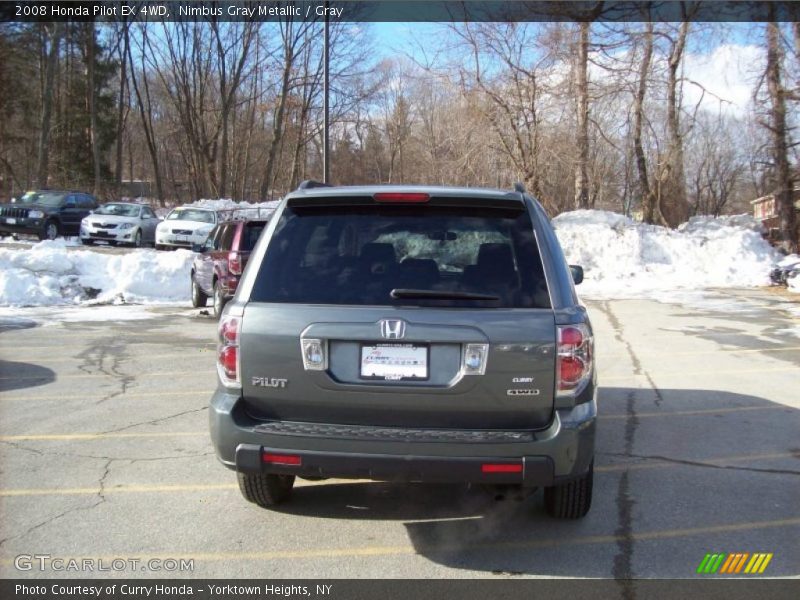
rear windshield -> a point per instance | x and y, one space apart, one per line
122 210
42 198
251 233
386 255
190 214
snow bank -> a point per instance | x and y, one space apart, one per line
47 274
622 258
250 210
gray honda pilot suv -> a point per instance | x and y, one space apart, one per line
425 334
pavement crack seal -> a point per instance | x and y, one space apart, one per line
708 465
100 500
622 569
155 421
94 360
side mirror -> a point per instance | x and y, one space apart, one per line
577 274
198 248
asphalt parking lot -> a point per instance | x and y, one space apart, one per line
104 454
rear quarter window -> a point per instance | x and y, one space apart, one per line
357 255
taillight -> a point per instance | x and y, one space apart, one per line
401 197
228 359
574 358
234 263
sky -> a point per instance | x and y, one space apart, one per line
726 61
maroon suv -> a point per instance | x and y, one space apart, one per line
221 260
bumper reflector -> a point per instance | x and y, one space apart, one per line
501 468
282 459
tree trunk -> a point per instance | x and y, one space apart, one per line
91 97
122 108
783 193
43 162
582 91
651 212
145 113
672 193
277 126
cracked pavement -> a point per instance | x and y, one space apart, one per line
104 452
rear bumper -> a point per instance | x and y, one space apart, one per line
534 470
559 453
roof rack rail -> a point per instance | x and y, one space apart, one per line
519 187
310 183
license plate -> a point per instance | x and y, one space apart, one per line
11 221
394 362
181 238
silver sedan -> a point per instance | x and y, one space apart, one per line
120 223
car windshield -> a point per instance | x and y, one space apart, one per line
120 210
459 256
43 198
191 214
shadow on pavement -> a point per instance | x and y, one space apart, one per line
19 375
679 473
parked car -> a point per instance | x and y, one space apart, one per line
46 213
120 223
185 226
220 261
408 333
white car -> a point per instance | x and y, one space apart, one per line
120 223
185 227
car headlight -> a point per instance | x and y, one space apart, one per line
203 231
35 214
126 225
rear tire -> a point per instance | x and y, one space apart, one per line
265 490
219 300
570 500
199 298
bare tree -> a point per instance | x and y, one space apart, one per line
671 188
54 33
650 208
780 147
145 104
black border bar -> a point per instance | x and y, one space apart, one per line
433 589
452 11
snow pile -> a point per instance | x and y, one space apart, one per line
47 274
249 210
622 258
226 206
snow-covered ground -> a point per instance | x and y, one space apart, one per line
621 259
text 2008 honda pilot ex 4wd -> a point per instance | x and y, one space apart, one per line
407 333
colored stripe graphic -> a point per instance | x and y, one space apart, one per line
728 563
703 563
733 563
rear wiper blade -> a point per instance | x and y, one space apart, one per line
440 295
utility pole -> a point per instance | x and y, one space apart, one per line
326 142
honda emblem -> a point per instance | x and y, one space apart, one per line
393 329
